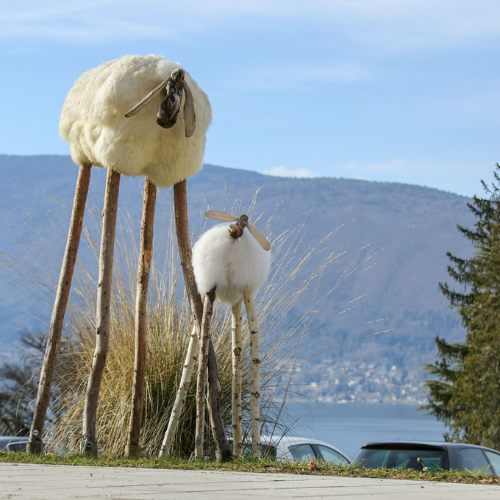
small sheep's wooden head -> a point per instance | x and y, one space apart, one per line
177 91
236 230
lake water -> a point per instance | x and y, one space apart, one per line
350 426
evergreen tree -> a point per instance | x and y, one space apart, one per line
442 391
467 394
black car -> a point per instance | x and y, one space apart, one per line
429 456
13 443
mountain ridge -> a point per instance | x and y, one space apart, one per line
410 228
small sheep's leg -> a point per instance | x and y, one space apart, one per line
145 252
237 346
202 373
223 449
223 452
35 444
254 373
89 444
180 398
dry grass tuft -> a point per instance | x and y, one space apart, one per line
288 306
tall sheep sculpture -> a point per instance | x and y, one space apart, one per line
231 263
136 115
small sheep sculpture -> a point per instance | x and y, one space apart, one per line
232 264
95 121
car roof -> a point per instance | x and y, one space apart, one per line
5 440
291 440
285 441
437 444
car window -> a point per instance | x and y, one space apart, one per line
373 459
401 458
473 459
331 455
494 458
267 450
302 452
16 447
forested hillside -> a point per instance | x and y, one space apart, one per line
407 228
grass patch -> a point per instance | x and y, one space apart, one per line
315 468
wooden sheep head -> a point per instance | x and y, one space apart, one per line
175 88
236 230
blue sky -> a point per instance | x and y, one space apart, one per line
386 90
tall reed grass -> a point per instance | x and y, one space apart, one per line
288 307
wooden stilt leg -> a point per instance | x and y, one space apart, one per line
254 374
202 374
145 253
237 380
89 443
180 398
184 244
35 444
223 449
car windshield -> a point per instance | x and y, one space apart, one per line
19 446
401 458
302 452
494 458
473 459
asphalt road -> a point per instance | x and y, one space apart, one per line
56 482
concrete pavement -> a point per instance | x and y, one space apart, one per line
57 482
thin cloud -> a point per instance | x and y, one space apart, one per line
302 173
392 24
33 11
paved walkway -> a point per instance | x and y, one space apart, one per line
57 482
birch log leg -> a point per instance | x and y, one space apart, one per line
145 252
180 398
89 444
237 380
202 374
254 374
35 444
223 450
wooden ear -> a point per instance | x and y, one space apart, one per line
259 237
146 100
189 116
213 214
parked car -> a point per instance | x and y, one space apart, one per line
429 455
13 443
291 448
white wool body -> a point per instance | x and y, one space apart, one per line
231 265
93 121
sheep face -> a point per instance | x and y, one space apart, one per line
236 230
175 89
170 106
